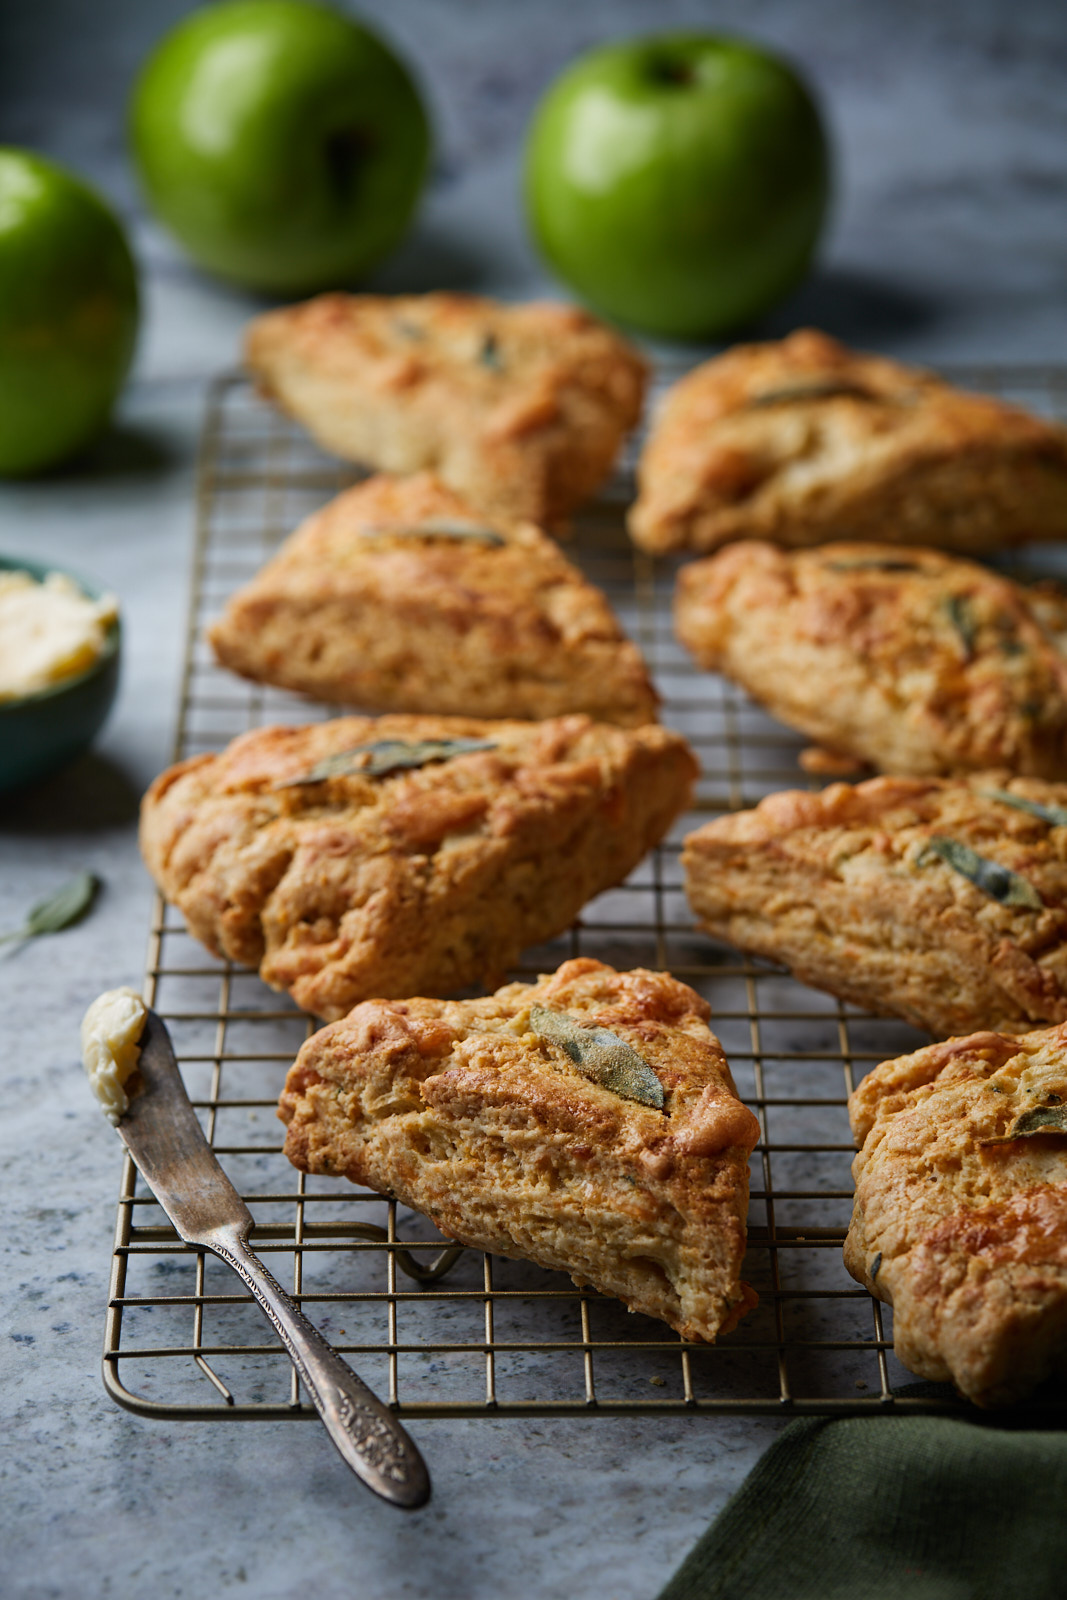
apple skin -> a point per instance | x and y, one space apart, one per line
678 183
68 313
281 143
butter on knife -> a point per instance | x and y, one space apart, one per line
111 1029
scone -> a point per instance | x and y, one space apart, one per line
587 1122
942 901
405 855
519 408
804 440
913 661
960 1218
397 596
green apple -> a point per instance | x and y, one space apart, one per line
68 312
679 182
281 143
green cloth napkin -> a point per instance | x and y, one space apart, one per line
891 1508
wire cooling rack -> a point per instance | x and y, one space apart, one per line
446 1332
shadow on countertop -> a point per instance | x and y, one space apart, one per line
91 795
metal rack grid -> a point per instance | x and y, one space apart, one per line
449 1332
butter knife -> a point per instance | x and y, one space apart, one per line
161 1131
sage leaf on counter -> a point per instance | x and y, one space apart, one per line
601 1056
1038 1120
67 905
999 883
434 528
383 756
1055 816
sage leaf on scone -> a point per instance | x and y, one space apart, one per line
1055 816
1000 883
1038 1120
434 528
489 354
961 616
601 1056
67 905
817 389
872 565
383 756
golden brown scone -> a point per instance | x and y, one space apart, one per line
470 1112
930 900
804 440
913 661
422 879
960 1218
461 618
519 408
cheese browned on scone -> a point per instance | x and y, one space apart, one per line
405 855
960 1218
804 440
397 596
587 1122
941 901
913 661
522 409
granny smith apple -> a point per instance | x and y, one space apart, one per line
679 182
283 144
68 312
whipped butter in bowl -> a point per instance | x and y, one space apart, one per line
111 1034
59 667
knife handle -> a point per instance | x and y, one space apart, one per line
366 1432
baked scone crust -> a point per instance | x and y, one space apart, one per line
422 881
959 1226
848 889
460 1110
907 659
804 440
351 612
522 409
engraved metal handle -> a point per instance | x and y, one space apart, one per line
365 1431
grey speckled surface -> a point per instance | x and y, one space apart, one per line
948 242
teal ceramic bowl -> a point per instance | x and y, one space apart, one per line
44 731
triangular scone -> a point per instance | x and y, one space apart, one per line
472 1112
405 855
804 441
914 661
396 596
520 408
960 1216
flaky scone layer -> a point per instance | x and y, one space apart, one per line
803 440
913 661
462 1111
420 881
359 608
520 408
853 890
961 1227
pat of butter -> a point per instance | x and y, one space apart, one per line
49 631
111 1029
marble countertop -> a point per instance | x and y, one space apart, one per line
947 244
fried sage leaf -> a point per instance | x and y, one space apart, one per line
870 564
67 905
434 528
961 615
815 389
600 1055
1055 816
1038 1120
383 756
999 883
489 354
